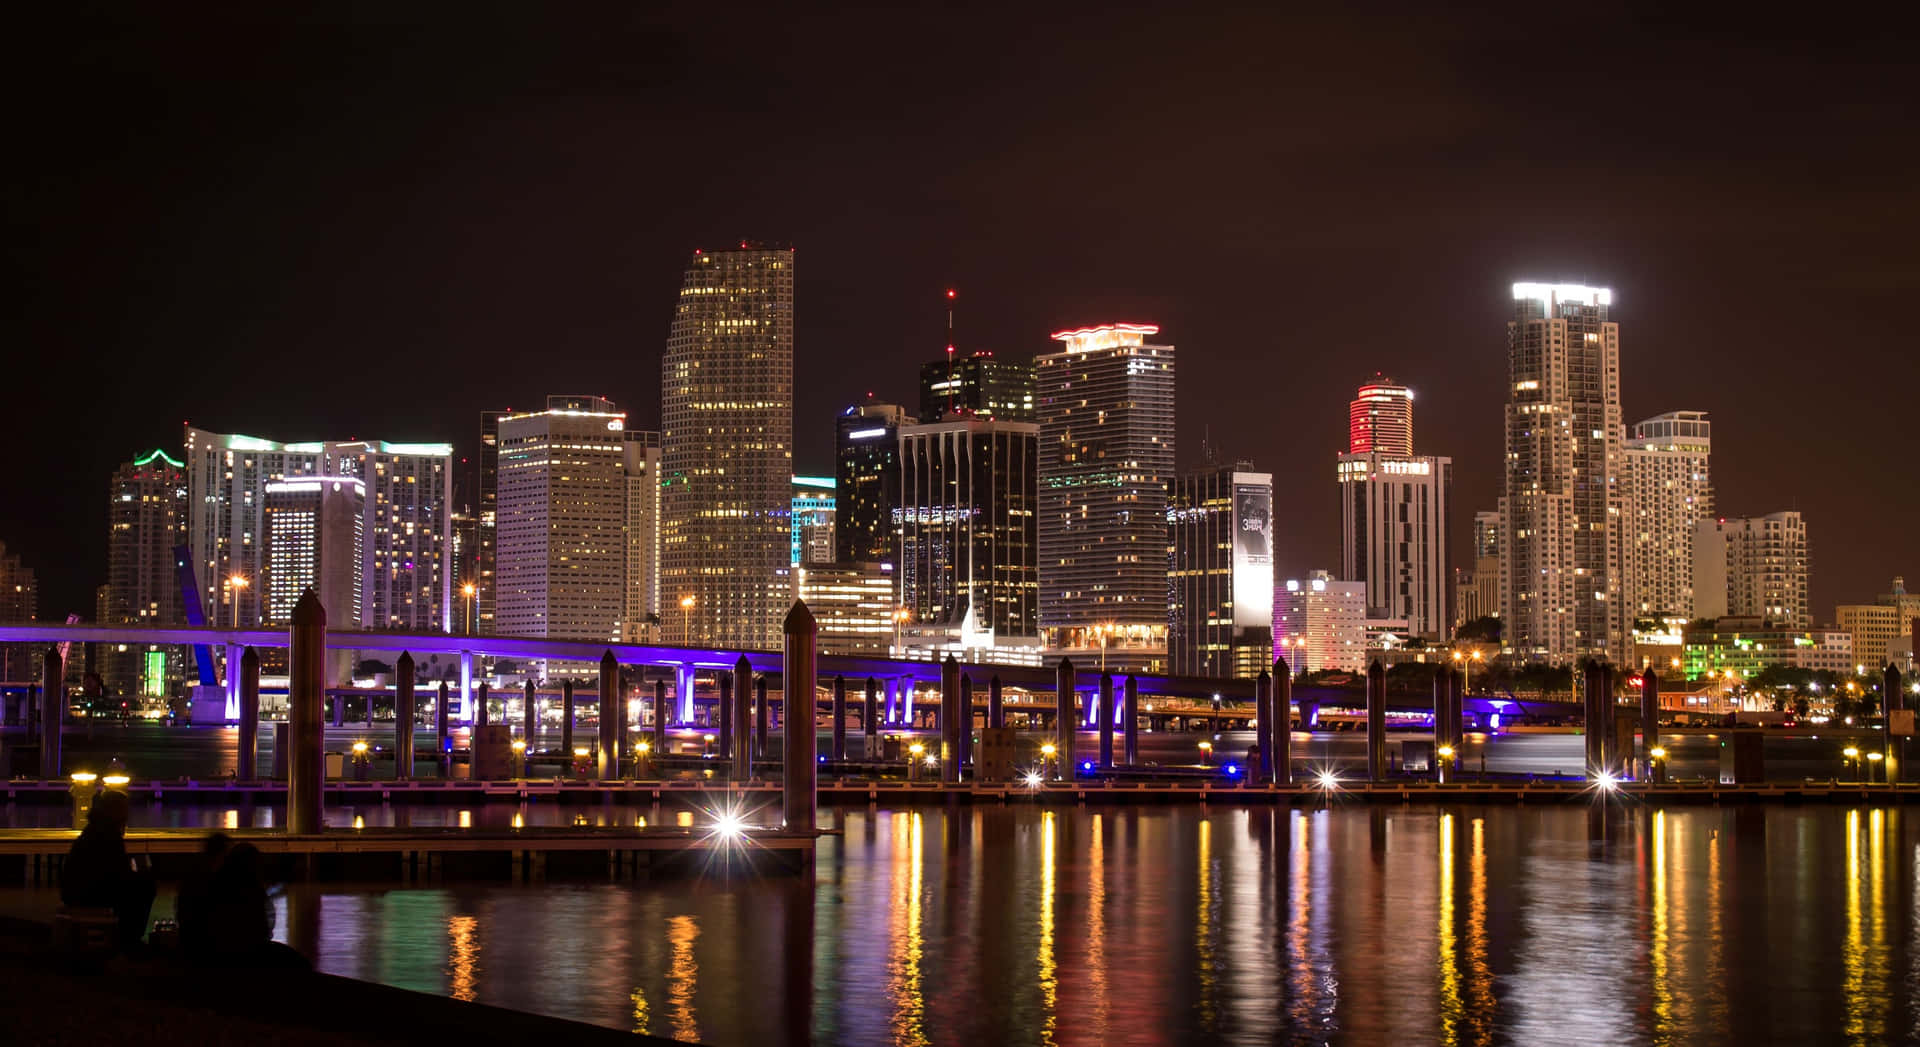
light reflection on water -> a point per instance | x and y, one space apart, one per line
1167 925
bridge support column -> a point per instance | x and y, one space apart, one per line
950 720
1130 721
683 680
1263 732
1376 721
996 710
1063 719
249 716
466 686
1280 697
607 759
1105 715
306 691
906 702
741 766
403 710
442 742
566 724
839 719
53 711
799 778
235 655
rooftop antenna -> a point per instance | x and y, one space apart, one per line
950 297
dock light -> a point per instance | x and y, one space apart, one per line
1446 752
360 748
84 777
1606 781
1086 765
1875 757
644 748
580 753
932 760
1849 752
727 825
1233 769
1047 749
1657 753
1033 779
519 746
117 781
916 748
1327 780
1206 752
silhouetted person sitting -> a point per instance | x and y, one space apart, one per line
235 919
99 873
196 894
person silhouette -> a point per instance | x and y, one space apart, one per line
100 874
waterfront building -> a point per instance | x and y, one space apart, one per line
1220 571
562 521
1393 513
1881 626
727 449
487 525
1746 644
1106 415
813 519
980 384
867 482
1754 568
1320 623
146 519
1561 562
968 575
19 602
641 617
1476 592
406 571
1669 492
316 538
852 603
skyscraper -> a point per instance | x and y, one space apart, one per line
1669 491
867 482
967 571
727 448
561 552
980 384
1476 592
643 615
1106 410
1393 514
1561 562
812 524
315 539
1380 418
486 524
1880 626
1753 568
406 573
1320 623
1220 571
146 518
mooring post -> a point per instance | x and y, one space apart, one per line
1105 700
963 730
480 707
442 744
950 720
740 760
839 718
246 770
1650 723
306 699
1595 731
607 761
868 725
660 718
566 723
1376 721
1282 702
402 715
799 776
761 714
1063 725
996 710
1129 720
724 680
1263 733
528 705
1893 700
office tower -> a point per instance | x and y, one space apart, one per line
146 518
727 449
852 604
1220 571
967 572
406 573
1105 404
19 602
561 544
811 525
315 539
487 513
1752 568
1669 491
1380 418
1319 623
980 384
1879 626
1393 514
642 617
1486 537
1561 562
466 570
1476 591
867 482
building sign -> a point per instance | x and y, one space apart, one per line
1252 555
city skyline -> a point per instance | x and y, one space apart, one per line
473 294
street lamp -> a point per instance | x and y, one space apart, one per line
1852 754
1047 752
900 614
468 591
235 583
1466 669
1873 760
1206 752
686 620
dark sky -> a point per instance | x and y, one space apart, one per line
375 222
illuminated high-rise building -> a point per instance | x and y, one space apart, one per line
486 524
813 521
407 570
315 539
1562 591
1752 568
1380 419
852 604
1476 590
1881 626
1669 492
867 483
642 618
146 518
1220 571
1320 623
979 384
727 449
562 536
1106 403
1393 513
19 602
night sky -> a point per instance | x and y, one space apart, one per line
374 223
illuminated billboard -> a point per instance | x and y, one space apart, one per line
1252 555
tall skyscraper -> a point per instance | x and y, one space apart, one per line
727 449
1380 418
1561 562
487 523
1220 571
1106 409
1752 568
967 571
643 616
1393 514
1669 491
146 518
19 602
561 552
316 539
406 573
867 482
980 384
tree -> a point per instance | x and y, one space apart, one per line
371 667
1800 707
1484 629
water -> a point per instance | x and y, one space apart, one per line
1175 925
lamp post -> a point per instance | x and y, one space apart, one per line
1465 664
900 614
469 591
235 583
1852 754
686 620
